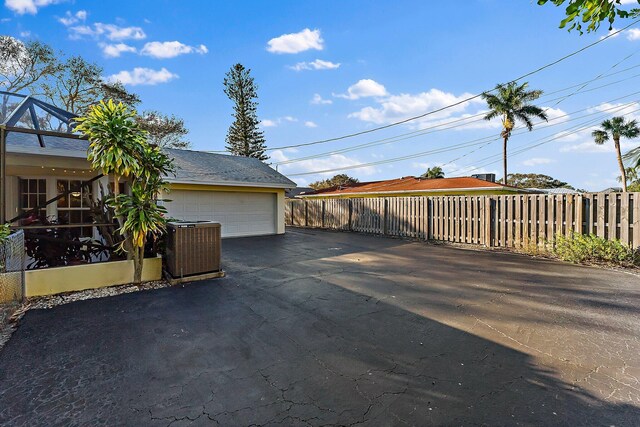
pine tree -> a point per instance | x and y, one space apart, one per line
244 137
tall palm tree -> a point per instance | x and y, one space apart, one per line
433 173
511 103
618 128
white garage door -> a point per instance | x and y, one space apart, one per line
241 214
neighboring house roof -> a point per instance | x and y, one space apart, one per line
553 190
412 184
295 192
611 190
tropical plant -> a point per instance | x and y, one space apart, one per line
118 147
115 139
433 173
631 174
617 128
511 102
580 12
244 137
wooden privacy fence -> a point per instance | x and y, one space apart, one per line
498 221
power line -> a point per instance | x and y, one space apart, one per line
480 116
444 149
541 141
537 70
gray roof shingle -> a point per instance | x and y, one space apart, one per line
191 166
199 166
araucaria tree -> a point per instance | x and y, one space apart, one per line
615 129
118 147
511 102
244 137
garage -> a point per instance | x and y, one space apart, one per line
239 213
243 194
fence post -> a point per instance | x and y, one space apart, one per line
350 213
323 212
385 217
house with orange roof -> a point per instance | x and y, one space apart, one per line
414 186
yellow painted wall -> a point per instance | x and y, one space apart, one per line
57 280
279 192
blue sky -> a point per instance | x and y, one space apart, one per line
330 68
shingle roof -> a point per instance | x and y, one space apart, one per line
191 166
202 167
410 184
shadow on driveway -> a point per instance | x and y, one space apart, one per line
328 328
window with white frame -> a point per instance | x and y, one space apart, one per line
33 192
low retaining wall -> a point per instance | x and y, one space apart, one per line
58 280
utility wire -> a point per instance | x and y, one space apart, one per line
530 73
414 155
464 121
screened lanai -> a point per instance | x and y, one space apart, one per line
47 186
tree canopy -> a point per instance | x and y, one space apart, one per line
244 137
512 102
536 180
338 180
163 130
433 173
591 13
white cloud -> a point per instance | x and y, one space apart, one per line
171 49
110 31
362 89
27 6
330 162
534 161
143 76
296 42
318 100
25 34
115 50
71 19
398 107
310 124
278 121
318 64
633 34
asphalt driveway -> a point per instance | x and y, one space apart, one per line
334 328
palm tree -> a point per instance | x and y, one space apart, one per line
631 173
618 128
432 173
511 103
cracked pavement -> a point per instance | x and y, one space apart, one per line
327 328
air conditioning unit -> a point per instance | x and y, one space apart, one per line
193 248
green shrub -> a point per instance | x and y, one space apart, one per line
589 248
4 232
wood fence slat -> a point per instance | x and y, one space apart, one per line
600 230
636 220
612 217
624 218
